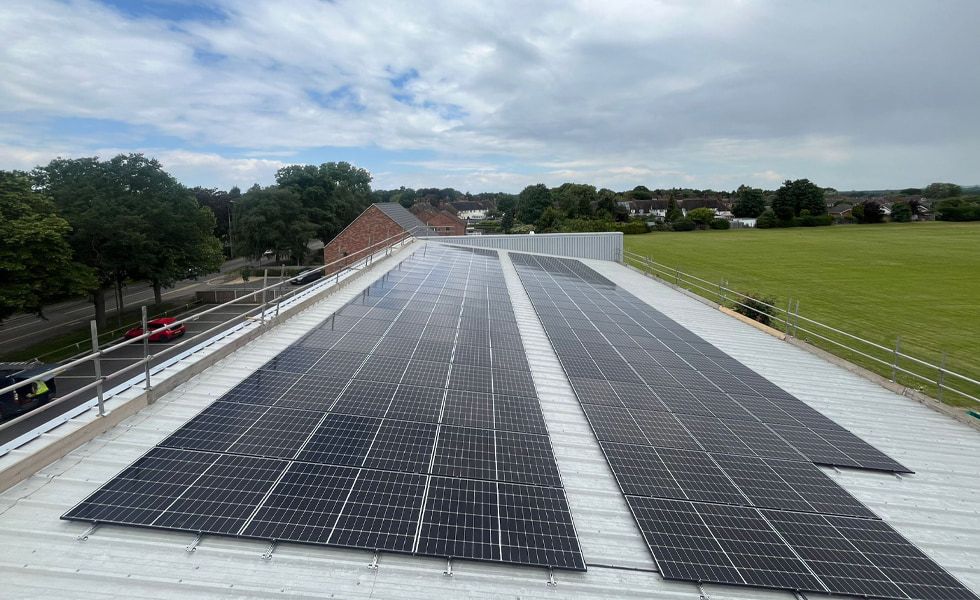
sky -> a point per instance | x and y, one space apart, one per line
495 96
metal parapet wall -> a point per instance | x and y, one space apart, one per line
598 246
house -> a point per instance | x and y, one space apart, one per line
443 222
840 211
470 210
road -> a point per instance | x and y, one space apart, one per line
22 331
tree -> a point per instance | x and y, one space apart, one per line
767 220
870 212
942 190
674 211
118 210
35 258
507 222
550 220
901 212
531 202
749 202
576 199
333 194
701 216
797 196
273 218
506 203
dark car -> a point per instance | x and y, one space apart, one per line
163 335
307 276
30 395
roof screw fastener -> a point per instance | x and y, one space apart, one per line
268 553
449 567
374 563
551 578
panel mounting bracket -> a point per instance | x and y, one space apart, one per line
193 545
703 594
373 565
551 578
84 536
268 553
449 567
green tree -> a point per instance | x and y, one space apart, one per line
506 203
749 202
273 218
333 194
942 190
901 212
118 211
575 199
35 258
550 220
674 211
507 222
796 196
702 216
531 202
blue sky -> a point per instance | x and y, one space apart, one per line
497 96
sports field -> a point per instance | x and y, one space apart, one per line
917 280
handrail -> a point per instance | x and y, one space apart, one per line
790 320
386 244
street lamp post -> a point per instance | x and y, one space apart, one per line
231 244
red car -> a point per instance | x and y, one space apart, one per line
163 335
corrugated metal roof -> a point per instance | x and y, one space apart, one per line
409 222
937 508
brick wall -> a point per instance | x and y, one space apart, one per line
372 228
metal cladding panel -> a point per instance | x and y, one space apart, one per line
598 246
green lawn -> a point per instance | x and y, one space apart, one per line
917 280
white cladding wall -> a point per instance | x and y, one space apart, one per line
599 246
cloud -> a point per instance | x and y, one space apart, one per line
651 91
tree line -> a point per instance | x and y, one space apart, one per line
87 226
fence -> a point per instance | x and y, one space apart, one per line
267 301
600 246
929 378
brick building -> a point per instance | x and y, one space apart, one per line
370 232
444 223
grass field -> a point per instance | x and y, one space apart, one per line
917 280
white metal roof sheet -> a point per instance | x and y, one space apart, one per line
936 508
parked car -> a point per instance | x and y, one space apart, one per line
307 276
163 335
30 395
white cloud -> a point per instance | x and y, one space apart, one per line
657 92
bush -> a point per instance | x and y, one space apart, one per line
720 224
766 220
633 227
754 307
684 224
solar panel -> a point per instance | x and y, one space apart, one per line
526 458
536 527
341 440
721 517
465 452
382 512
460 519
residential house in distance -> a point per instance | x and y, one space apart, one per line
442 222
470 210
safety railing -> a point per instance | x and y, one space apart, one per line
913 372
268 299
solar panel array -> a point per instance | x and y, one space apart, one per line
407 422
715 462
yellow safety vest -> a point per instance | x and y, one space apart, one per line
40 388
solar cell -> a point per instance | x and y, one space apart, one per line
700 477
611 424
640 472
595 391
365 398
713 435
664 430
261 387
279 433
378 367
471 379
426 374
216 427
513 383
312 392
